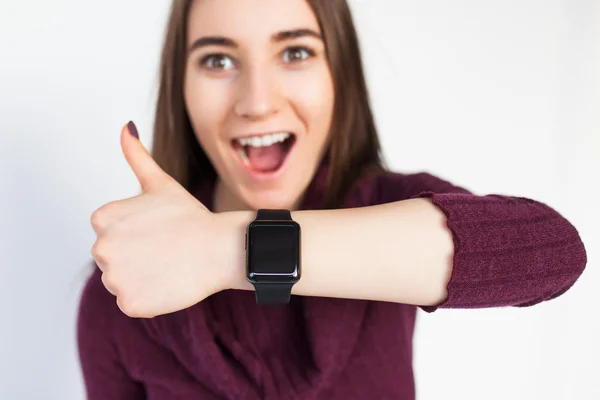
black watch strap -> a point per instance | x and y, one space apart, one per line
273 293
273 215
280 292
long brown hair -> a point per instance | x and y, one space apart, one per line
353 149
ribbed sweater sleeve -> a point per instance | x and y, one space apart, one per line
508 250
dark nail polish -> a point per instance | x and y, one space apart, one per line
133 130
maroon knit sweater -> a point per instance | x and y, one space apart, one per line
509 251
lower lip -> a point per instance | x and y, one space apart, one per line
267 176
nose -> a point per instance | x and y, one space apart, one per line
259 94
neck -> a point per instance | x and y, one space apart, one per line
224 200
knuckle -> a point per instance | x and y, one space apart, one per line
101 217
108 283
100 253
98 220
128 307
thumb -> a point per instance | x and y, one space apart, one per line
149 174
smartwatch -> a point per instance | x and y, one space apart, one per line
273 255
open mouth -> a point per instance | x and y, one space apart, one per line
264 154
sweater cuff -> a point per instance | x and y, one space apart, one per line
435 198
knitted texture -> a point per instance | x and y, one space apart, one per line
509 251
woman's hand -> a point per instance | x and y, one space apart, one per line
157 251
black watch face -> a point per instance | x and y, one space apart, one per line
273 248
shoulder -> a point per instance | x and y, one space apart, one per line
95 300
99 343
98 314
386 186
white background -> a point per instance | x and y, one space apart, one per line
496 96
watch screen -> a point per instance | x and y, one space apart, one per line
273 248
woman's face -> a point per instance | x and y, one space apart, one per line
259 94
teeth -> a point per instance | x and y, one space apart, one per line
244 157
265 140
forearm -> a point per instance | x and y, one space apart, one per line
400 252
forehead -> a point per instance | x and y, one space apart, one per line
244 19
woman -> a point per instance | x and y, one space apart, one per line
169 313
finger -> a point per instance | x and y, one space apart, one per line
149 174
110 213
107 284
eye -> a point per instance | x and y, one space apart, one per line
296 54
217 62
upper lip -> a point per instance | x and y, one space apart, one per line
249 135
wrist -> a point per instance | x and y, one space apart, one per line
230 248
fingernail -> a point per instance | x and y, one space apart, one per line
133 130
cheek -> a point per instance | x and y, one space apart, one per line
207 102
313 98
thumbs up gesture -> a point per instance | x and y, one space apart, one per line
158 250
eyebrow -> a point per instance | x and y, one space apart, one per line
275 38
